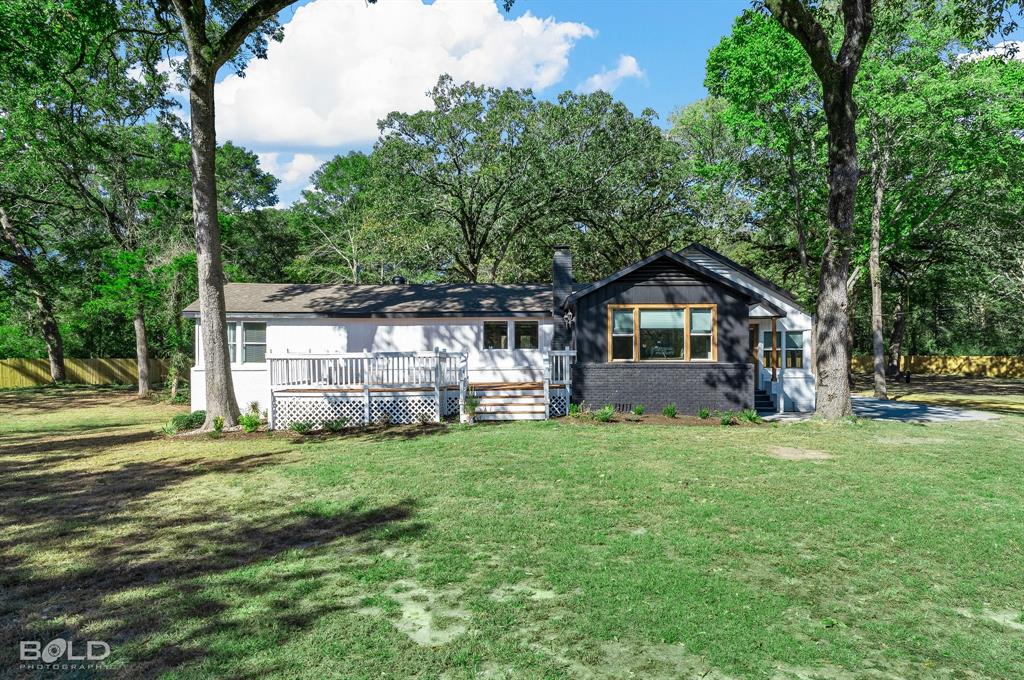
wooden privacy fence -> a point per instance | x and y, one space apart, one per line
34 372
975 366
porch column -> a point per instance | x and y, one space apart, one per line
775 353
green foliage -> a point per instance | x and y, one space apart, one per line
727 418
575 410
638 410
604 414
669 411
186 422
704 413
250 422
336 425
218 424
749 415
470 404
300 427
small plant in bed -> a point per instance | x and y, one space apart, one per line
250 422
300 427
604 414
638 410
727 418
185 422
669 411
336 425
704 413
749 415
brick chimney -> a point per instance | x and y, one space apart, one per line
561 288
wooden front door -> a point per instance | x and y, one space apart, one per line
752 328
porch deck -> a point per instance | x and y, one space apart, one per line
406 387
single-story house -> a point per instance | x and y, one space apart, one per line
690 328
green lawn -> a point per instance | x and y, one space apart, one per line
521 550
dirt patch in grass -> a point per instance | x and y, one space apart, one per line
428 617
792 453
1008 618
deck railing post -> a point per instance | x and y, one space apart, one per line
438 372
367 377
463 378
547 385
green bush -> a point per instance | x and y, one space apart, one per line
575 410
185 422
604 414
218 424
638 410
250 422
728 418
749 415
669 411
336 425
300 427
704 413
471 404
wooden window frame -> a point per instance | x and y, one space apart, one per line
654 306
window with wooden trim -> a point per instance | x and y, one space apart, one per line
794 349
653 332
766 348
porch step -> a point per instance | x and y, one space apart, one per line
510 407
510 416
495 392
496 400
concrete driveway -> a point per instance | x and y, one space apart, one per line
869 407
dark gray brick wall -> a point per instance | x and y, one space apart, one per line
723 386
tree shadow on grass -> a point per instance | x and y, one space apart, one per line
135 572
27 445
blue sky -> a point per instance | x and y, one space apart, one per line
344 64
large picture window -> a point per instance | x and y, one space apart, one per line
651 332
662 334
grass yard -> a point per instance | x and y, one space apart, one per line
521 550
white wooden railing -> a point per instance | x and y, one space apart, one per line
557 370
376 369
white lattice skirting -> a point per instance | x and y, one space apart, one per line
392 408
559 403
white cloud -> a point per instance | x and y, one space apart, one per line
294 173
1012 49
345 64
628 67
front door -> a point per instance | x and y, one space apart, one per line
753 355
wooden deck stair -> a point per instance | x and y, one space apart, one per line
510 401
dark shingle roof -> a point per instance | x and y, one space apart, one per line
456 299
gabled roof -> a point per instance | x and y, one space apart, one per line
407 300
680 260
732 264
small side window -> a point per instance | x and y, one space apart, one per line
794 349
622 334
232 342
527 334
495 335
254 343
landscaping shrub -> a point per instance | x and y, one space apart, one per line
704 413
300 427
185 422
604 414
250 422
471 404
336 425
728 418
575 410
749 415
638 410
669 411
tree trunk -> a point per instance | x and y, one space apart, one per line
879 169
896 338
141 351
51 334
220 393
832 392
